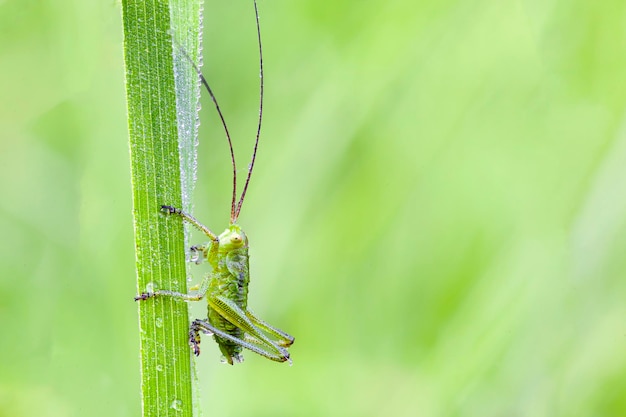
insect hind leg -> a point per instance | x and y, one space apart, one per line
282 338
205 327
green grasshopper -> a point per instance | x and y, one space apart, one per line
232 325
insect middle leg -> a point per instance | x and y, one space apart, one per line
201 289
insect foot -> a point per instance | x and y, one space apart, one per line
144 296
194 342
194 335
169 210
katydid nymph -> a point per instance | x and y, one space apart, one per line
232 325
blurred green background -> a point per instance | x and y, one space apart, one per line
437 215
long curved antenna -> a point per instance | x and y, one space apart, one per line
233 216
258 132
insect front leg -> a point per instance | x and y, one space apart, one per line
210 253
191 220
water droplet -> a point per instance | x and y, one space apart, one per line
158 322
177 405
150 287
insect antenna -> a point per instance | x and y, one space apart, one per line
258 132
230 142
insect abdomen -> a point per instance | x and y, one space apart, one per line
238 268
231 281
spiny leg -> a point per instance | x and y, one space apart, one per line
201 289
191 220
206 327
167 293
237 316
210 253
283 339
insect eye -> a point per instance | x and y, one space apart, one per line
236 238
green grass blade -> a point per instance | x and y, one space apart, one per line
162 97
